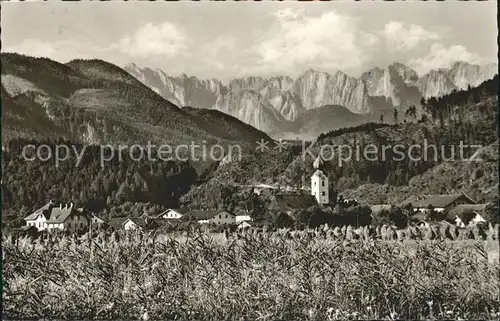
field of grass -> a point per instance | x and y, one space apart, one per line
251 277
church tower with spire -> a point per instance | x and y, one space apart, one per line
319 183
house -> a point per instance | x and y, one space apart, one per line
96 221
244 225
127 224
53 217
39 217
289 203
242 216
116 223
467 214
174 213
438 203
259 189
252 226
68 218
134 224
216 217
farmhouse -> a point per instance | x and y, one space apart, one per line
127 224
242 216
216 217
174 213
467 214
252 226
116 223
67 218
39 217
96 221
134 224
439 203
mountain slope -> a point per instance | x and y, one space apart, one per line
249 106
330 117
397 83
95 102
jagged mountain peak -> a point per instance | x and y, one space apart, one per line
374 92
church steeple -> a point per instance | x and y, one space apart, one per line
319 183
318 163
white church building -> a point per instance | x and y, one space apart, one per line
319 183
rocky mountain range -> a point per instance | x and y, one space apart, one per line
275 105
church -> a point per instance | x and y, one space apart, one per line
319 183
289 203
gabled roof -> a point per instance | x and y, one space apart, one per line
182 210
45 210
461 209
255 224
117 222
139 221
206 215
424 201
59 215
93 216
287 202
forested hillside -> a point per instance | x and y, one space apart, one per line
27 185
468 116
122 188
93 101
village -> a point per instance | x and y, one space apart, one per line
458 210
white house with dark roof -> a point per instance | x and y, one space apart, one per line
173 213
242 216
39 217
216 217
438 203
467 214
59 217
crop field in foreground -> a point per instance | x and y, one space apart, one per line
253 277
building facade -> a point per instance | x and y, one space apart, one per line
60 217
319 183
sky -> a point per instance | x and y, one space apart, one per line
225 40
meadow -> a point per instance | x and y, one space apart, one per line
249 276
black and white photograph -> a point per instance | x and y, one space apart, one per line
247 160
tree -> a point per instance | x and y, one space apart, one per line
283 220
395 116
490 213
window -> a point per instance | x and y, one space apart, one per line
323 183
322 193
69 225
81 224
226 215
